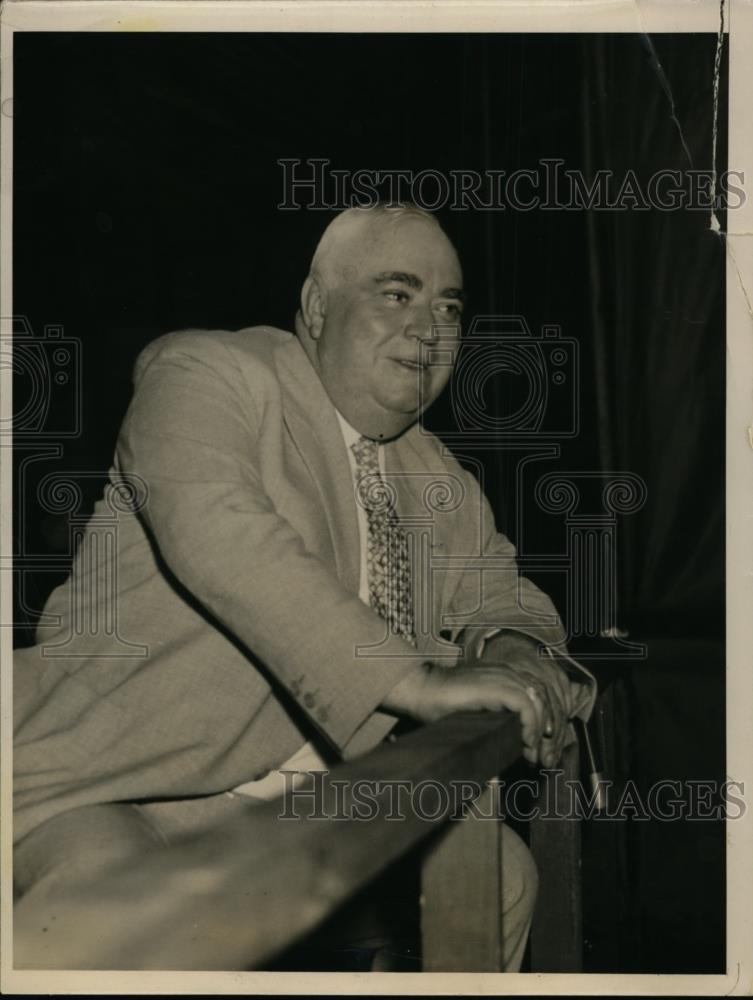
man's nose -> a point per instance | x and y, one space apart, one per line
421 325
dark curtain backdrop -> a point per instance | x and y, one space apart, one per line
657 295
146 187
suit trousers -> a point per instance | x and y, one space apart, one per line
83 844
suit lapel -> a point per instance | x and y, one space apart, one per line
311 420
411 465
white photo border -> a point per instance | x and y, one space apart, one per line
657 16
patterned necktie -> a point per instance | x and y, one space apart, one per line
388 556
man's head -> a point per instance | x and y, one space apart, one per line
384 284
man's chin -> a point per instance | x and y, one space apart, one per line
411 403
408 411
393 422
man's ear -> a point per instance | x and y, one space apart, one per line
313 306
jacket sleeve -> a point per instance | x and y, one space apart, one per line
491 596
193 434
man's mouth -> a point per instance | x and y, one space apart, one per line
413 366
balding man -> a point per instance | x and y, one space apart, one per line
271 576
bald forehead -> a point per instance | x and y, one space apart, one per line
368 239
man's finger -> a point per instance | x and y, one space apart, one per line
512 697
553 733
538 698
532 722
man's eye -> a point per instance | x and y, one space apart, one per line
450 309
396 296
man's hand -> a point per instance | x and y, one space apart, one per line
509 674
431 692
545 680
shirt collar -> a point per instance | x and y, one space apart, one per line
350 434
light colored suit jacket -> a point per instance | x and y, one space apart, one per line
236 582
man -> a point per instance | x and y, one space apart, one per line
268 573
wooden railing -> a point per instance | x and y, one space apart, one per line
237 895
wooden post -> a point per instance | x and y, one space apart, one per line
556 933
